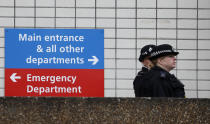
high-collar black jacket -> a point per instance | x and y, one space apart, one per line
137 81
160 83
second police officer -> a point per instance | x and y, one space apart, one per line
146 65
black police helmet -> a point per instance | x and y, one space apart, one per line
145 51
162 50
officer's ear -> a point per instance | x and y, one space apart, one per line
159 60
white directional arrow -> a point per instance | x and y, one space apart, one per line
13 77
94 60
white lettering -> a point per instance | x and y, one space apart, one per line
64 38
51 79
26 37
55 89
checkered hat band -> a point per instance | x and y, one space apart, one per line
145 53
160 52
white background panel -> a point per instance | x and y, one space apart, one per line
204 75
1 92
109 43
125 53
204 44
187 34
189 84
125 74
105 13
166 13
1 73
109 63
7 2
204 94
204 64
109 73
125 84
166 4
126 63
143 42
65 22
7 22
85 22
125 93
1 52
24 22
182 74
6 11
21 3
105 3
187 13
126 43
146 3
105 23
126 13
204 4
146 23
204 85
203 54
126 3
146 33
65 12
166 23
45 22
109 93
2 42
185 64
170 33
1 32
109 53
85 3
65 3
204 14
187 3
85 12
146 13
187 24
171 42
2 83
126 23
2 62
186 44
187 54
109 83
190 94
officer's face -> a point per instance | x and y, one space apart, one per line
147 63
168 62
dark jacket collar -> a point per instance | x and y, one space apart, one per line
163 73
157 68
144 69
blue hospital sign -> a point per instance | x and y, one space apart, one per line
53 62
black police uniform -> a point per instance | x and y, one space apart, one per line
137 81
160 83
145 52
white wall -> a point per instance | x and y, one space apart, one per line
128 25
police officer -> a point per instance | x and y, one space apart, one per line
147 64
159 82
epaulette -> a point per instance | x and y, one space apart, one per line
162 74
